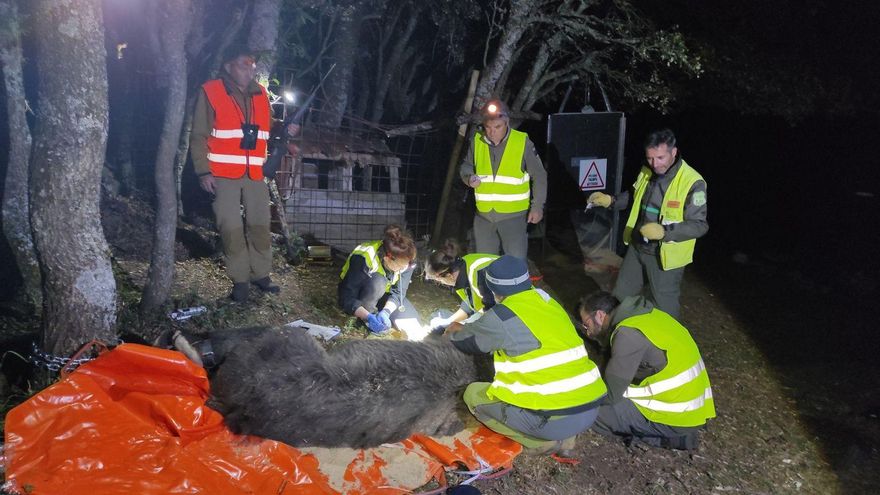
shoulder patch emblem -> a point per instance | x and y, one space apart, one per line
699 198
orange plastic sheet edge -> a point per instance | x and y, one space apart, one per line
134 420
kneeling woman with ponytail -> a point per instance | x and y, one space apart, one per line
466 274
375 278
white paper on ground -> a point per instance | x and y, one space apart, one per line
318 331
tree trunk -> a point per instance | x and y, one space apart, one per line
70 140
173 20
513 30
16 210
393 65
344 55
263 36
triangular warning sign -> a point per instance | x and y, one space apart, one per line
593 179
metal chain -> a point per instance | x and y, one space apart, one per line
42 359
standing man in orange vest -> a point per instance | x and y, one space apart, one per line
504 170
228 144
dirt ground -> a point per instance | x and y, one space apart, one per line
801 423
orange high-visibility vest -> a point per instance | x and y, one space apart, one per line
225 155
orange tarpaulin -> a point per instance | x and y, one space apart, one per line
134 420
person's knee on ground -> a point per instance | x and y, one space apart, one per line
372 294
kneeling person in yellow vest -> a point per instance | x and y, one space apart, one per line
374 281
658 388
546 389
467 275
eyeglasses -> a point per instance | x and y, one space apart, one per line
591 317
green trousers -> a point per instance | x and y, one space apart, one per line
247 244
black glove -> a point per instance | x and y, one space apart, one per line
273 163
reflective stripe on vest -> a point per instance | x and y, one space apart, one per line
474 263
676 407
672 254
680 393
558 374
558 387
236 133
657 388
542 362
369 251
237 159
507 190
225 155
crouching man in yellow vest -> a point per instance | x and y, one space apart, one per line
658 388
546 389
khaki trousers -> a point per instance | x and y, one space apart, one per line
247 245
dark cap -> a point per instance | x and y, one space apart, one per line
237 50
508 275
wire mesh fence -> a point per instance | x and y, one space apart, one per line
342 186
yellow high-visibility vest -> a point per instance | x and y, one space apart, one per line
472 264
679 394
370 252
557 375
506 191
672 254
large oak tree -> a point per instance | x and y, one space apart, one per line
68 154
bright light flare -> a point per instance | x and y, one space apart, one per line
290 97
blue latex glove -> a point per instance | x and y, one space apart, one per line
375 324
385 315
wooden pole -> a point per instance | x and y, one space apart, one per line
294 251
453 159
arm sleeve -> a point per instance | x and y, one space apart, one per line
467 168
467 345
203 121
483 336
627 352
398 290
350 287
538 174
466 307
498 329
695 224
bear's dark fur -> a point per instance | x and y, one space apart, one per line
279 383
